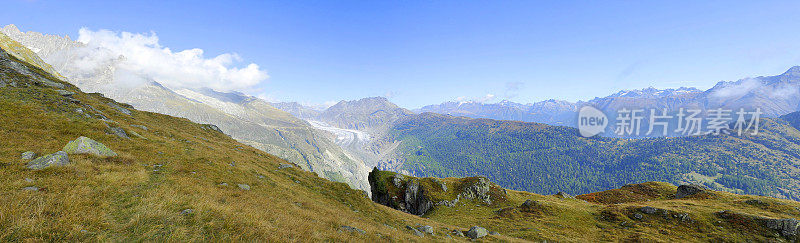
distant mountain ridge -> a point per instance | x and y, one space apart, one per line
774 95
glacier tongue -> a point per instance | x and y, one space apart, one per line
344 137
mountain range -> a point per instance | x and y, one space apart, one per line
774 95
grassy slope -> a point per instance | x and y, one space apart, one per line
177 165
608 215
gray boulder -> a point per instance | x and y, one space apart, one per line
28 155
427 229
688 190
59 158
353 229
84 145
477 232
244 187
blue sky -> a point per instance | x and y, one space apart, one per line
428 52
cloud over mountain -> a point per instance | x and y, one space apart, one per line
143 55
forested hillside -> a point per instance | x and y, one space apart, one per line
547 159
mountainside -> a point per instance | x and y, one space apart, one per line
297 110
547 159
159 178
247 119
374 114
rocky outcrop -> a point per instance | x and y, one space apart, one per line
29 155
416 202
477 232
689 190
59 158
404 195
788 228
420 195
84 145
478 189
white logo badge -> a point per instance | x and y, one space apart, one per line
591 121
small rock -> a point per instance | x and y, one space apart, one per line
66 93
223 184
244 187
59 158
136 134
756 202
353 229
187 211
457 233
493 233
563 195
30 188
28 155
28 180
120 108
638 216
84 145
476 232
426 229
211 127
119 132
648 210
284 166
415 231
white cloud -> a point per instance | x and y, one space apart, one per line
750 85
144 56
483 99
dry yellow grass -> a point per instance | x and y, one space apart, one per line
176 165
